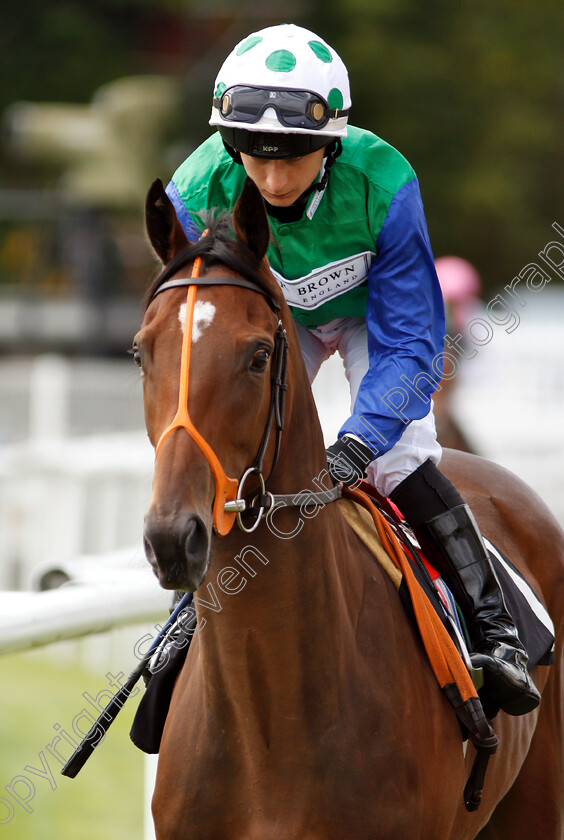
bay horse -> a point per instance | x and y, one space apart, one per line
306 708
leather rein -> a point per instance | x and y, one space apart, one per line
229 502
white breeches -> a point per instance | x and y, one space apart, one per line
418 442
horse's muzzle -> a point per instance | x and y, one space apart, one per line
178 549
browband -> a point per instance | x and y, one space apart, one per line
209 280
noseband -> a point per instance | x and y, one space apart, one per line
229 502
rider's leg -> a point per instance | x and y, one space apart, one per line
443 522
314 350
408 473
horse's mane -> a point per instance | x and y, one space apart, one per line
219 246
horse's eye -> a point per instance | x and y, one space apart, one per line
260 360
135 352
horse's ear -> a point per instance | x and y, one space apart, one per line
250 219
163 228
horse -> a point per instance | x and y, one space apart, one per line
306 708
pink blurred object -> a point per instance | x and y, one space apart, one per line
461 287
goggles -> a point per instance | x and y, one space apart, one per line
294 108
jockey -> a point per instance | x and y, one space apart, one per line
351 253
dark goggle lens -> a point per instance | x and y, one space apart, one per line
295 108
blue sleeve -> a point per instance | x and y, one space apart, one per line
405 323
184 216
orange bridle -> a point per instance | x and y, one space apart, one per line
228 503
225 487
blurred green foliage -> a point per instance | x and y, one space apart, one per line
62 50
471 92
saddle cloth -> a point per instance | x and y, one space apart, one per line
533 623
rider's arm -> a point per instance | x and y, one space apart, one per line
405 322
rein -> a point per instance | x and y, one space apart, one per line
229 502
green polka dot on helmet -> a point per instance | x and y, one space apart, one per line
335 98
281 60
286 57
248 44
321 51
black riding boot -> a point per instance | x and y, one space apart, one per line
464 563
495 644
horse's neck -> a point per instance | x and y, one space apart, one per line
291 579
278 600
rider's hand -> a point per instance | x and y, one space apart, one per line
347 460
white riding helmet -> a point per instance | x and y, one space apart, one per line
282 80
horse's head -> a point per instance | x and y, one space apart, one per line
206 350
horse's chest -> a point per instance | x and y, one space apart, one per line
296 789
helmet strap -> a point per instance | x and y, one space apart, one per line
332 152
233 153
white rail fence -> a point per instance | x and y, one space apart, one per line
75 467
109 597
53 396
60 500
75 481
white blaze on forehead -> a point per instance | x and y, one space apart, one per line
203 316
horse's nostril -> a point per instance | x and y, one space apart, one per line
196 543
178 549
149 551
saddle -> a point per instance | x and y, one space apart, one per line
533 623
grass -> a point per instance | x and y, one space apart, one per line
40 698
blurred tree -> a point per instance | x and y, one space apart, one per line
473 94
96 100
62 50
